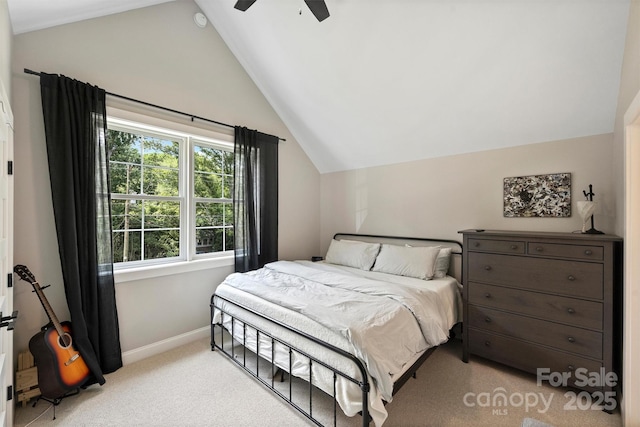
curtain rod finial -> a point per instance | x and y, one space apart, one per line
28 71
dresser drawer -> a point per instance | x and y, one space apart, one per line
500 246
589 253
561 277
527 356
585 314
563 337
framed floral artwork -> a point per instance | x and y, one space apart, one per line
538 196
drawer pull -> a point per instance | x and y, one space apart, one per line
487 295
571 367
571 278
487 343
571 339
487 267
514 247
570 310
487 319
588 252
477 244
539 248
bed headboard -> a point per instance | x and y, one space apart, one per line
455 267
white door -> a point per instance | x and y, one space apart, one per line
6 260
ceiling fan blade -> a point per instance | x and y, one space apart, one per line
318 8
243 5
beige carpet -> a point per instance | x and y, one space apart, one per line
193 386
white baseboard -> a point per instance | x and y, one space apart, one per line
164 345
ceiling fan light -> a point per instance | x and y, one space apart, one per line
317 7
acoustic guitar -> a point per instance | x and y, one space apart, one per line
61 368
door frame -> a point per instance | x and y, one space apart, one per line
6 234
631 340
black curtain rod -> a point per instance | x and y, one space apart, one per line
148 104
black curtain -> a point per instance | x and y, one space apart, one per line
255 199
75 129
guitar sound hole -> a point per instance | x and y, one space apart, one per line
65 340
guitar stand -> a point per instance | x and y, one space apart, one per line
55 402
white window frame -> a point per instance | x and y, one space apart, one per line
188 260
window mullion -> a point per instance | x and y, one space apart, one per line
142 230
188 215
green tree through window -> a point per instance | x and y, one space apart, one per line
160 182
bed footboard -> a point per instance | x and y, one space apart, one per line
227 347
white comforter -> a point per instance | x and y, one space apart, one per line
384 320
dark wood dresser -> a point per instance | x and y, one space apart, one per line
544 300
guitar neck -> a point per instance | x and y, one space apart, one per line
47 308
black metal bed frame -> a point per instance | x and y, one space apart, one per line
363 384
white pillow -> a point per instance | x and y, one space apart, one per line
442 263
352 254
409 261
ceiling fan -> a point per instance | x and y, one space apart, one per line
317 7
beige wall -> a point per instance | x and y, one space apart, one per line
157 55
6 42
439 197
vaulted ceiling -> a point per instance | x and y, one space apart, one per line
384 81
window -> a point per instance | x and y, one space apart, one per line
171 194
213 198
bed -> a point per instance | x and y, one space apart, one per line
354 326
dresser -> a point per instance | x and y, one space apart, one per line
545 300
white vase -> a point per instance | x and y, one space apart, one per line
585 210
